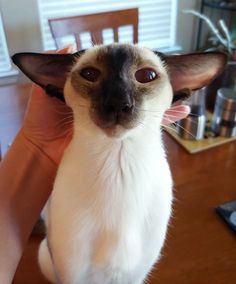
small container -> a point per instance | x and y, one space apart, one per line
193 126
224 117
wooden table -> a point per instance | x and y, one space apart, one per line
200 248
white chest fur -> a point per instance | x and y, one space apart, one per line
109 210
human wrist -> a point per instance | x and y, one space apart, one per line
52 148
25 167
26 181
42 147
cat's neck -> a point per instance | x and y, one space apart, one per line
144 141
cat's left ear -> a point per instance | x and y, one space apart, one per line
189 72
47 70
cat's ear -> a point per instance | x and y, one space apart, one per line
47 70
189 72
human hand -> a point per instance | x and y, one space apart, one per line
48 122
175 113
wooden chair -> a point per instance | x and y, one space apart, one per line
94 24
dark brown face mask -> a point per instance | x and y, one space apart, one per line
187 72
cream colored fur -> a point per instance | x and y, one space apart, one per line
111 203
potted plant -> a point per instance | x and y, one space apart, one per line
222 40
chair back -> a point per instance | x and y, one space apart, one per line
94 24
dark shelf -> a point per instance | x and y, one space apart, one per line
230 6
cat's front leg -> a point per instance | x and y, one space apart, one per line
48 268
45 262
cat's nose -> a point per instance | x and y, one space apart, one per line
127 108
119 108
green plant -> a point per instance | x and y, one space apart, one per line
225 41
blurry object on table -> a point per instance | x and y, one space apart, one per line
226 80
193 126
224 118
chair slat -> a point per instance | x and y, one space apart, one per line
116 36
94 24
78 41
97 37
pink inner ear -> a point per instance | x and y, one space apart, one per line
189 81
175 113
193 71
46 69
192 80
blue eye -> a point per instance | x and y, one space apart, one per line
90 74
145 75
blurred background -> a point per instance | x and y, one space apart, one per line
162 24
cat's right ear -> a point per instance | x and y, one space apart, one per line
190 72
47 70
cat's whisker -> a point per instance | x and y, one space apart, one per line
174 129
184 129
168 127
166 116
67 118
152 115
147 110
175 111
149 127
169 110
66 132
62 109
63 127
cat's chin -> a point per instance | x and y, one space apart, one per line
116 131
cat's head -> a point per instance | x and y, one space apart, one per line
119 87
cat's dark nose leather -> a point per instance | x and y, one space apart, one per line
119 108
117 103
118 111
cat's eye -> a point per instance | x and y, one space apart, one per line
90 73
145 75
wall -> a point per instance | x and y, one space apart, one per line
187 25
21 21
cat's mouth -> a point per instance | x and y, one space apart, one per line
113 124
114 131
111 128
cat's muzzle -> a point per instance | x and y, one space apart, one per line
111 118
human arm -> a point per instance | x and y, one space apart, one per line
26 178
27 173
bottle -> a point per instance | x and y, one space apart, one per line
193 126
224 117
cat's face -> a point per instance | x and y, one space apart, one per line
118 87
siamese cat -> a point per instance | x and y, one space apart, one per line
109 210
